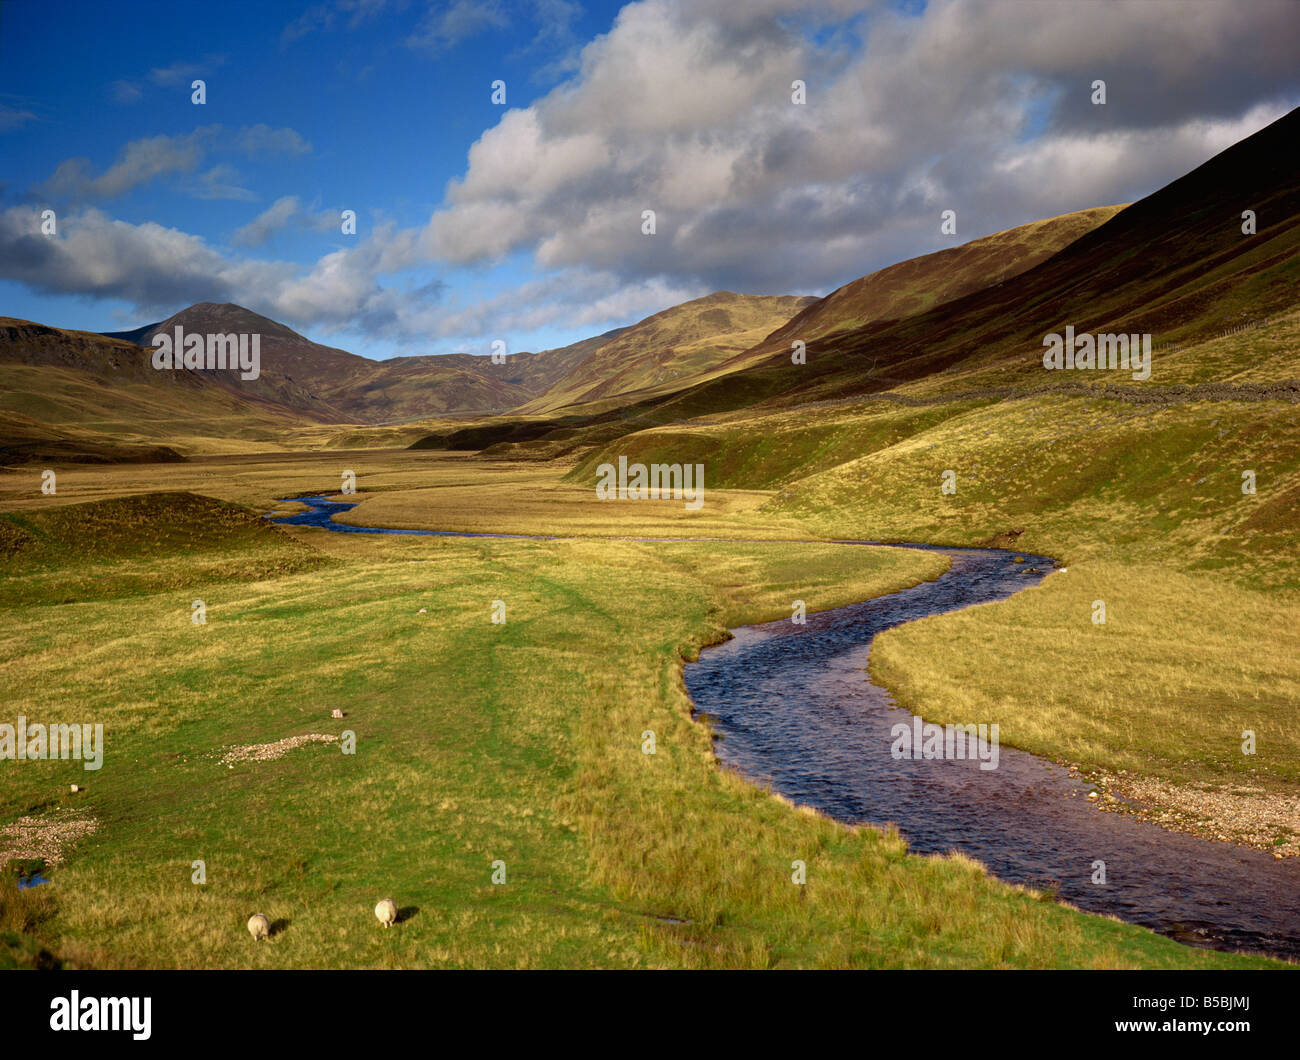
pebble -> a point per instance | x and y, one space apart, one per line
268 752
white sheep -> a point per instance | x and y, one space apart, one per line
259 927
386 911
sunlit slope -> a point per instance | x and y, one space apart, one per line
75 395
909 287
663 349
1075 475
1175 265
616 859
405 389
156 542
921 283
409 388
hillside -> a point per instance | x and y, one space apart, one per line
921 283
1175 265
1082 464
334 386
657 353
295 372
402 389
896 291
79 396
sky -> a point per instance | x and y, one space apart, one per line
522 220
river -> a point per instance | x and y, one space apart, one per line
793 708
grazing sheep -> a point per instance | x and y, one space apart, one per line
386 911
259 927
336 713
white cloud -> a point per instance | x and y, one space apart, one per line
157 269
684 108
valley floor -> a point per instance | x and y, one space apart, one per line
485 748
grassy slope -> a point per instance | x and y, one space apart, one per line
899 290
63 389
1175 265
1142 502
116 548
475 742
658 352
930 280
1137 487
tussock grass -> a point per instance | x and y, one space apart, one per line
121 546
477 743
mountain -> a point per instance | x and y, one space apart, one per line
334 386
538 372
921 283
295 372
1175 265
78 395
894 292
657 353
402 389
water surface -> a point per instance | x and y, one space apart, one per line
796 710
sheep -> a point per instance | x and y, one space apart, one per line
259 927
386 911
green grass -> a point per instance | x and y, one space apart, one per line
476 742
1142 502
146 543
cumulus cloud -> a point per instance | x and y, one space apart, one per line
580 298
152 266
983 108
685 108
156 269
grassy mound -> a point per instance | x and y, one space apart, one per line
146 543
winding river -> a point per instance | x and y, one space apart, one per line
794 709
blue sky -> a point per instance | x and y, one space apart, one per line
523 222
